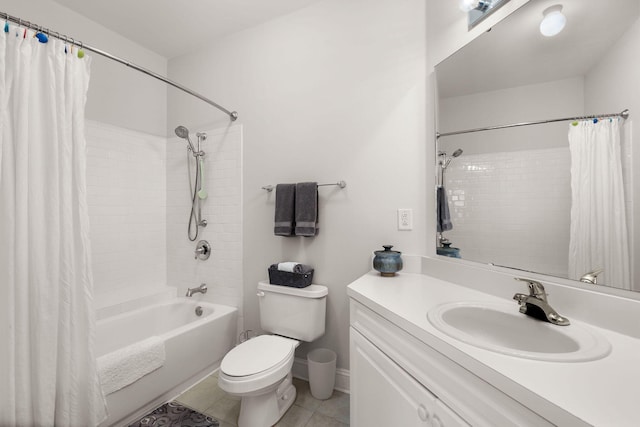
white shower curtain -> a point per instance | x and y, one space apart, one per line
598 236
47 366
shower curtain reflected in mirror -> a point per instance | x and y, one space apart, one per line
598 232
47 365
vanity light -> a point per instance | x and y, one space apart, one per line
553 21
468 5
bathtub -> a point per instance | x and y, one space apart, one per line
194 347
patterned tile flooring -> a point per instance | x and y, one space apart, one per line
307 411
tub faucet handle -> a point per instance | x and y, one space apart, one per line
203 250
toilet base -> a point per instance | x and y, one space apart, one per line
264 410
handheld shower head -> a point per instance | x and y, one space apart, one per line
446 162
183 132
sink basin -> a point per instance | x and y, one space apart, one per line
501 328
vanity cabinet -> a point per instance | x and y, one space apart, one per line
396 379
384 394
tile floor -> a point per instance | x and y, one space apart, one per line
307 411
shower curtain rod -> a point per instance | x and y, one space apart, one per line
233 115
624 114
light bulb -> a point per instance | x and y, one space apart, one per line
468 5
553 21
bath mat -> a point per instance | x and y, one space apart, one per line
173 414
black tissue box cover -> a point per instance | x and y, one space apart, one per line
285 278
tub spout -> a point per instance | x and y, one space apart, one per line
200 289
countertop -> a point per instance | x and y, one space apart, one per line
602 392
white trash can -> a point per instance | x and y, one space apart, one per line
322 372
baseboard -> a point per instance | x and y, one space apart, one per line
301 371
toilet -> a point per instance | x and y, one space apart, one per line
259 370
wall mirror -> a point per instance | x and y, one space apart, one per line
556 197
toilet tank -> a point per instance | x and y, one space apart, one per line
297 313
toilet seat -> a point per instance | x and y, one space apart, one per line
256 355
257 363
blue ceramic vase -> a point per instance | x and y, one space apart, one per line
447 250
387 262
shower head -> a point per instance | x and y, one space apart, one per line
183 132
455 154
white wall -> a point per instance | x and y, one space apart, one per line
562 98
117 95
332 92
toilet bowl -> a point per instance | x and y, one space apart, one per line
256 364
259 370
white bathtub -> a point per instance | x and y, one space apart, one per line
194 347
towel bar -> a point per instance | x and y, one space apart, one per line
340 184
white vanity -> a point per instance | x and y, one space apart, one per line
406 371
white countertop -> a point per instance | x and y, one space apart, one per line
600 393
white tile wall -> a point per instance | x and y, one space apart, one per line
512 208
126 182
222 272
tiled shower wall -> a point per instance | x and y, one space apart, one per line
138 197
222 272
126 186
512 208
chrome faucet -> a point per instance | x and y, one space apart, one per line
200 289
592 276
536 305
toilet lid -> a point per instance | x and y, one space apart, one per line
256 355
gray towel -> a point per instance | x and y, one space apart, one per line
306 209
302 269
285 213
444 218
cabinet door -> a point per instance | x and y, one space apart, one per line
383 394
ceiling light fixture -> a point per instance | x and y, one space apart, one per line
553 21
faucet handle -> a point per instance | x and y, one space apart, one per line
592 276
536 289
203 250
